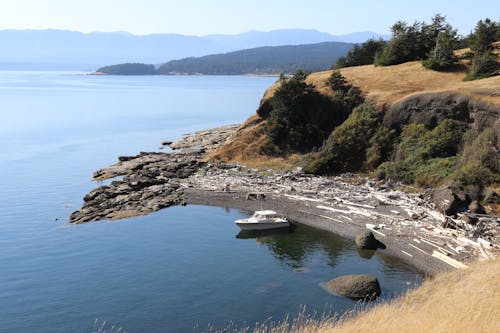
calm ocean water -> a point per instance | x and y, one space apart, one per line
171 271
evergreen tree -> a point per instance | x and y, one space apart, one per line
484 63
442 56
363 54
485 34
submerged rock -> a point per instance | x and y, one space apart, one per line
365 286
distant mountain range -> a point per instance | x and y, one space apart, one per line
62 49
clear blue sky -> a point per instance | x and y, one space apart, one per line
196 17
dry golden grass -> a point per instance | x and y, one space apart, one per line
460 301
387 85
246 142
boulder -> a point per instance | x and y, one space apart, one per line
367 241
450 199
365 286
476 208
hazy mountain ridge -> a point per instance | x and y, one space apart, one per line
40 49
262 60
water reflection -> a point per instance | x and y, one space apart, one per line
293 247
365 254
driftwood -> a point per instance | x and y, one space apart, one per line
381 208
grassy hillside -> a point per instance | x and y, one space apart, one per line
387 85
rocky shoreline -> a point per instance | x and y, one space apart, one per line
408 224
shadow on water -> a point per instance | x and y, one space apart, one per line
293 247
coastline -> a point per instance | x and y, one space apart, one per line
408 224
311 216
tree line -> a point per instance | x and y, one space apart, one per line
434 44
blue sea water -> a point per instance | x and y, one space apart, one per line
177 270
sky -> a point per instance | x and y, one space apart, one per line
196 17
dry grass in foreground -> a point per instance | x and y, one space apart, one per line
459 301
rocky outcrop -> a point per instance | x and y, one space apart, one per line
151 179
364 287
450 199
206 139
432 108
151 182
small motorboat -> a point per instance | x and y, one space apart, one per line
263 220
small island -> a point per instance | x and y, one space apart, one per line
127 69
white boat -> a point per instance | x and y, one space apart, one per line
263 220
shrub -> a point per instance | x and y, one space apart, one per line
443 141
380 146
337 82
479 163
434 171
300 118
426 157
345 148
475 173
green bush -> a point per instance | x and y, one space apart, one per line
479 163
380 146
443 141
479 147
426 157
475 173
420 172
345 148
434 171
299 118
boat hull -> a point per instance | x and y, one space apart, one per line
262 225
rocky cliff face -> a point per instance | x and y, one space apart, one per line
431 108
